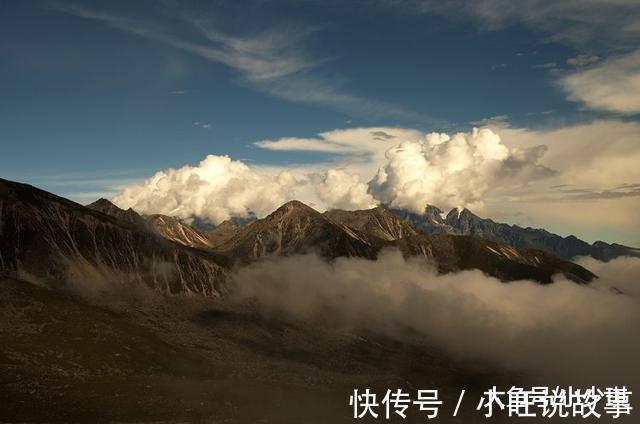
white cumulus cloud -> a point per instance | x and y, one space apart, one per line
402 167
343 190
518 175
449 171
217 189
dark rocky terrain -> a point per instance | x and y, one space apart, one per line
55 242
51 240
174 229
66 360
130 216
464 222
107 318
295 228
452 253
223 232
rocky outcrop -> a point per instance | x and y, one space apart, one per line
452 252
53 241
295 228
176 230
464 222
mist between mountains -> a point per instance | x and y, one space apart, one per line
551 332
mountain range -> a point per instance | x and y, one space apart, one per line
463 221
54 241
203 356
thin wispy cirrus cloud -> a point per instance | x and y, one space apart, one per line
203 125
372 142
275 61
583 60
387 164
611 86
575 22
626 190
85 186
492 121
547 65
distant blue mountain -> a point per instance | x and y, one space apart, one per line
464 222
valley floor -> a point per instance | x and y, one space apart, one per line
186 360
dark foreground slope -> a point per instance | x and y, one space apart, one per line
51 240
166 358
178 360
66 361
130 216
48 239
169 227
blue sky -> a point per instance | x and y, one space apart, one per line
98 95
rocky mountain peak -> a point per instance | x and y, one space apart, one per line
227 225
464 222
292 207
295 228
60 244
101 203
432 210
454 215
460 216
434 213
223 232
175 229
46 236
377 222
108 208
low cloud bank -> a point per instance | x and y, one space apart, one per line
562 331
622 273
